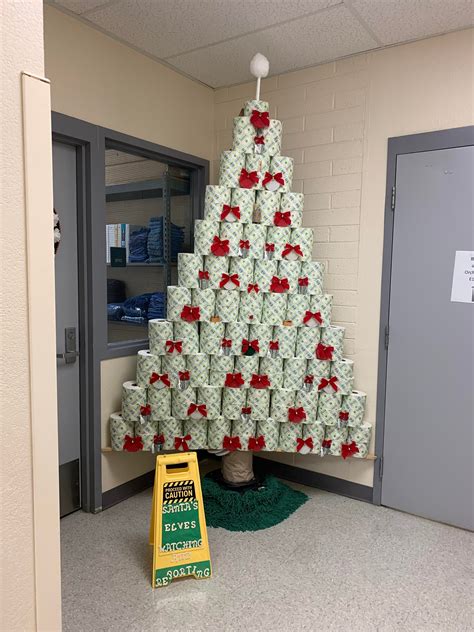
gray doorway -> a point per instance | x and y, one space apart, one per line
67 328
429 406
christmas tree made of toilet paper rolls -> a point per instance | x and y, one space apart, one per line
247 358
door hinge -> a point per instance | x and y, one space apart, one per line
387 336
393 198
380 467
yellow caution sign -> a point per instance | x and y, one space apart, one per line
178 531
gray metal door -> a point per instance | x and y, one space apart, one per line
427 468
67 327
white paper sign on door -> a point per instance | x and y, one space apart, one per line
463 277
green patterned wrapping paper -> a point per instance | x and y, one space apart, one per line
254 104
272 136
170 428
217 429
274 309
314 271
316 432
304 237
198 431
244 268
361 435
309 401
198 367
231 165
251 306
216 197
306 342
147 363
329 406
177 298
263 333
337 436
173 365
245 200
280 402
298 305
290 270
243 133
264 271
283 165
211 396
216 266
204 233
323 305
147 431
334 337
318 369
344 371
181 400
232 232
270 430
237 331
160 402
255 234
273 367
211 337
293 202
286 338
188 333
159 331
280 237
227 305
354 404
189 265
244 430
233 400
217 378
258 400
222 363
266 205
259 163
294 372
119 429
133 397
289 433
247 365
205 300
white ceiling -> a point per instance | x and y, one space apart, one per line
214 40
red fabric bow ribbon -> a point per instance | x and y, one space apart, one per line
282 218
159 439
259 140
259 381
174 345
344 415
253 287
348 449
296 415
309 379
190 314
269 247
181 443
274 345
289 248
145 411
246 410
260 120
324 352
203 275
326 443
183 375
229 278
304 442
132 444
156 377
231 443
244 244
303 282
250 344
310 315
234 380
220 247
278 177
332 382
200 408
248 179
230 210
257 443
279 286
226 343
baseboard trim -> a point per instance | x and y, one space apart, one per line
128 489
315 479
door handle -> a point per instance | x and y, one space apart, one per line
70 353
68 357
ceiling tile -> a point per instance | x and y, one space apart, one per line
304 42
394 21
169 27
80 6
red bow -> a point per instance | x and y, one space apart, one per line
220 247
246 410
200 408
259 140
282 219
253 287
260 119
304 442
259 381
244 244
309 379
248 179
232 278
303 282
182 442
132 444
159 439
331 382
226 343
289 248
190 313
269 247
234 380
274 345
230 210
278 177
203 275
348 449
279 285
257 443
326 443
156 377
344 415
323 352
250 344
296 415
310 315
145 411
183 375
231 443
174 345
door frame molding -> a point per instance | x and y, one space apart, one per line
413 143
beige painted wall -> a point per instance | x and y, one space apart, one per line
337 118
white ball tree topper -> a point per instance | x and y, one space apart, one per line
259 67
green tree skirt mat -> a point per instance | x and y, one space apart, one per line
251 510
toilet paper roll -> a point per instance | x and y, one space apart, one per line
231 164
279 237
259 163
147 432
361 436
313 271
177 298
264 271
281 401
211 397
173 365
222 363
232 232
255 235
354 405
205 300
274 308
329 406
332 337
294 372
170 428
216 266
217 429
204 233
337 436
273 367
227 305
133 398
244 269
293 202
236 332
245 200
197 429
215 198
289 433
283 165
290 270
302 237
233 400
243 133
316 433
217 378
244 430
180 402
188 333
251 304
247 365
160 403
309 401
189 265
255 104
298 305
306 342
344 371
272 138
147 363
270 431
323 305
119 429
211 337
263 333
319 369
198 367
286 339
267 203
159 331
258 400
